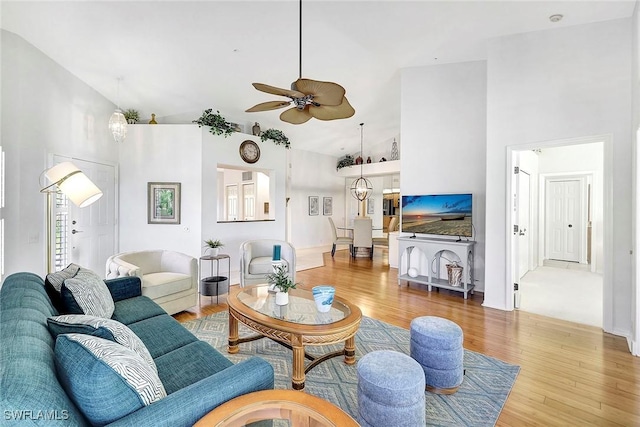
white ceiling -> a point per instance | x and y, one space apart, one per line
177 58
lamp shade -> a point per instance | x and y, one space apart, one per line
74 184
118 125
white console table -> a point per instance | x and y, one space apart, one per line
427 261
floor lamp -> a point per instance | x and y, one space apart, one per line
67 178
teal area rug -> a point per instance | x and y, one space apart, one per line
478 402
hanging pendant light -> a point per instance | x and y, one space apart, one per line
117 122
361 188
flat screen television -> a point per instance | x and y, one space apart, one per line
438 214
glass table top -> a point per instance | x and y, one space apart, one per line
301 308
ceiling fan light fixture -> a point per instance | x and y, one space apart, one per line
308 97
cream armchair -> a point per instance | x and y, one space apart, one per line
256 257
169 278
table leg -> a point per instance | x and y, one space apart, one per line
297 378
350 351
233 335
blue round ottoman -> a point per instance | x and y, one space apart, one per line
436 344
390 390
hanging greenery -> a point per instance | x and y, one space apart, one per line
218 124
346 161
276 136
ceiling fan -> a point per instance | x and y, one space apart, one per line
310 98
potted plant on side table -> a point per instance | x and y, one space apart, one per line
212 247
282 283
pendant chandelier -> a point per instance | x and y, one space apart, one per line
117 122
361 188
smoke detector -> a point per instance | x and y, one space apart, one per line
555 18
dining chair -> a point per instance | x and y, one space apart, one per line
339 240
362 235
384 241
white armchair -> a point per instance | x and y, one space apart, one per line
256 260
169 278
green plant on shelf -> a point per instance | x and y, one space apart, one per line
277 136
210 243
218 125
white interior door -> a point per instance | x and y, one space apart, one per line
564 219
86 236
249 197
523 215
232 202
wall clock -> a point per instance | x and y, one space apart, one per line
249 151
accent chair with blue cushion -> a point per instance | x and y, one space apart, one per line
53 378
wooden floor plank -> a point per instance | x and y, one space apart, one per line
571 374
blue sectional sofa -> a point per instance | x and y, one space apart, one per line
196 377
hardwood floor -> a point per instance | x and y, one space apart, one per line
571 374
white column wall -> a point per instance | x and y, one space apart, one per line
443 128
557 84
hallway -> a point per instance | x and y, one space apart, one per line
563 293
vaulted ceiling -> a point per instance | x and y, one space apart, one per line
177 58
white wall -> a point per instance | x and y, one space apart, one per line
45 110
443 128
313 174
160 153
635 339
550 85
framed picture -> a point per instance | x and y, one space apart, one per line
163 203
266 207
327 206
370 206
314 205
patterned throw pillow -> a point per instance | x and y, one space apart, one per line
55 280
100 327
106 380
86 293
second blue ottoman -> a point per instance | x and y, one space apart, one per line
390 390
436 344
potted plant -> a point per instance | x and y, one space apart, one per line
132 116
282 283
218 124
213 247
277 136
346 161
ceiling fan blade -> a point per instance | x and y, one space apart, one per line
330 112
269 105
295 116
325 93
277 90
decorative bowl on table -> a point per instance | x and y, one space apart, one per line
323 295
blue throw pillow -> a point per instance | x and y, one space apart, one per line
105 380
108 329
86 293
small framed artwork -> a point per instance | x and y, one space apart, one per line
266 207
314 205
370 206
163 203
327 206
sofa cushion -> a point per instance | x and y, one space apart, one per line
155 285
120 382
133 310
86 293
263 265
162 334
100 327
189 364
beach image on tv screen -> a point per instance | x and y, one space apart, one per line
440 214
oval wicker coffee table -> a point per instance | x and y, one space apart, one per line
300 409
296 325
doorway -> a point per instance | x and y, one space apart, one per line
564 194
86 236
